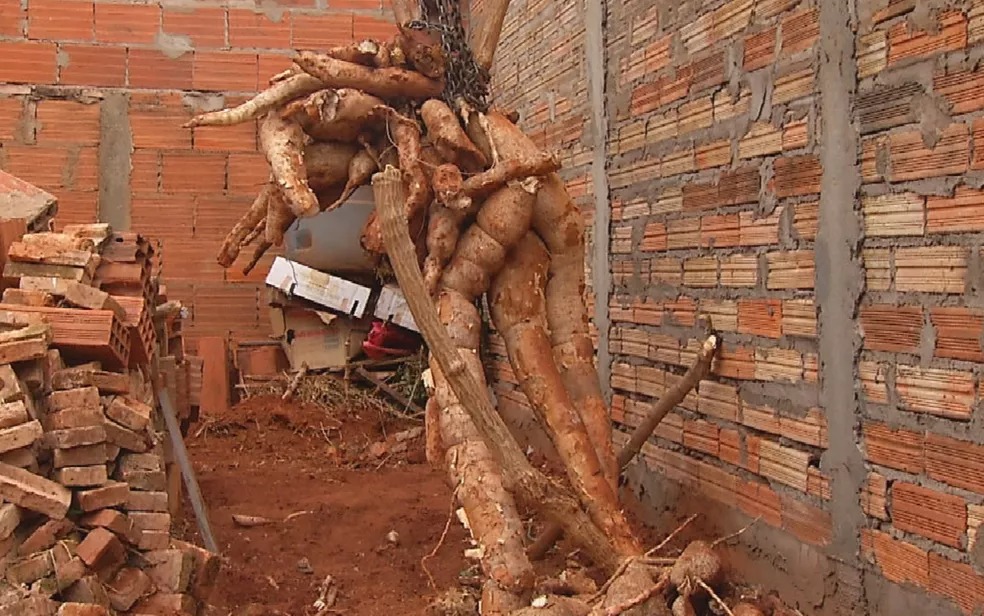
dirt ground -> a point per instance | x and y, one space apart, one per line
333 492
342 493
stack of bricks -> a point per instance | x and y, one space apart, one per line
85 513
101 293
94 96
86 483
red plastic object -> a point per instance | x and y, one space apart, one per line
388 340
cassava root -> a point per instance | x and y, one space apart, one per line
383 82
279 92
282 141
529 484
499 224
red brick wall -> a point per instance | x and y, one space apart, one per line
921 316
713 190
63 59
714 164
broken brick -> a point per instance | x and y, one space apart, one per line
20 436
30 491
105 382
146 501
30 569
10 517
45 536
86 455
170 570
140 462
11 387
59 561
32 605
112 452
129 586
103 552
80 398
21 458
103 497
129 413
35 375
13 414
66 570
125 439
75 437
110 519
88 590
81 609
153 540
152 521
67 419
81 476
206 572
147 481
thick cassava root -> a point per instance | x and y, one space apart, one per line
642 433
383 82
334 115
366 52
493 519
280 92
558 223
518 310
527 483
328 164
449 137
282 141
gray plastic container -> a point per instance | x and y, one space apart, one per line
329 242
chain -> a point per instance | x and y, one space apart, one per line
463 77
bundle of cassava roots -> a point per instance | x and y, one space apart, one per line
467 206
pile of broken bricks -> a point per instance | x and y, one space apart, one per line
85 493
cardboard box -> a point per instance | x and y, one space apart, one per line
392 306
322 340
324 289
267 359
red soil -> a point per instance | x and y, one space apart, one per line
277 460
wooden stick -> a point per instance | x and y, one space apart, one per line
535 489
673 397
642 433
295 382
485 38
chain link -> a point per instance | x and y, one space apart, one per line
463 77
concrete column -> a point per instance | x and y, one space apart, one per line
115 150
596 60
839 285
